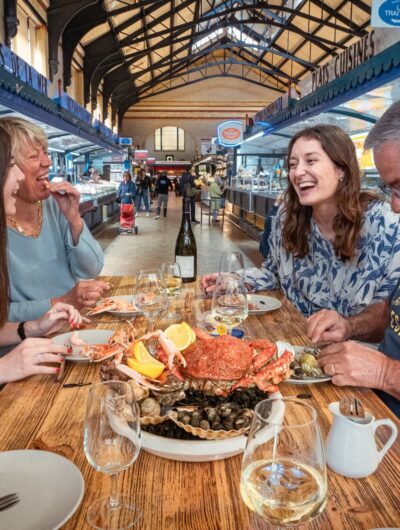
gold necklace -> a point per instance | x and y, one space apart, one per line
20 230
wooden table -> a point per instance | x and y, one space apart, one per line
40 414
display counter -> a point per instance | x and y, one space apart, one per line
97 202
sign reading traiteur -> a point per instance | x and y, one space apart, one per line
230 133
385 14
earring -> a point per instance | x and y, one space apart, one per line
341 179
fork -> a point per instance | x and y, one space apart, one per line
8 500
352 408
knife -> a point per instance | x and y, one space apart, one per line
72 385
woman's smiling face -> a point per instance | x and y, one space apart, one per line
11 187
313 174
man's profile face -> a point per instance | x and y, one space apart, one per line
387 162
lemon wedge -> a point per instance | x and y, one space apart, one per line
180 335
144 363
190 330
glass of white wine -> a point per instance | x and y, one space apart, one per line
112 444
229 304
171 273
151 299
283 476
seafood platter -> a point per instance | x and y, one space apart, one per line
195 388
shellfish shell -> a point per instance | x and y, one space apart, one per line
208 434
153 420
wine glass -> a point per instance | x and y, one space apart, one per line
283 476
151 299
112 444
172 276
229 303
232 263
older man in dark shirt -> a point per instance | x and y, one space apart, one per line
348 362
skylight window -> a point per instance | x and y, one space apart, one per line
241 36
232 32
208 39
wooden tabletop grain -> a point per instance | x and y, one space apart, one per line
40 414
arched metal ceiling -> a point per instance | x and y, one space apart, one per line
136 49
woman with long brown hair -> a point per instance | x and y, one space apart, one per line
27 358
331 245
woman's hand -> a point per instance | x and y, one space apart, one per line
208 281
54 320
67 198
28 358
83 294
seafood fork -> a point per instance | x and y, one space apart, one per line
352 408
8 500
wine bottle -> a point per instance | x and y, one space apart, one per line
185 247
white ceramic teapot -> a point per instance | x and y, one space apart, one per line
351 448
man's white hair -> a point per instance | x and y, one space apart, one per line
386 130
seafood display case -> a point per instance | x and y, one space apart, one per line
97 202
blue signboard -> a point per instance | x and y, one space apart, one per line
385 13
125 141
18 67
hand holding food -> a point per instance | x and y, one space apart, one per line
84 293
327 326
54 320
28 358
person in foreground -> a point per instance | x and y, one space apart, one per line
325 247
50 248
348 362
27 358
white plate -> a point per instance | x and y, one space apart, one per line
197 451
307 380
91 336
49 486
126 298
265 303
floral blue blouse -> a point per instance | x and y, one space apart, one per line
321 280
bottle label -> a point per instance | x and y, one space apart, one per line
186 264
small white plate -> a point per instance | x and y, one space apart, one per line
49 486
307 380
264 303
91 336
126 298
200 450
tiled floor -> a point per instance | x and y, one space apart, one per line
155 243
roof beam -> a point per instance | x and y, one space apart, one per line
193 81
59 13
77 27
210 65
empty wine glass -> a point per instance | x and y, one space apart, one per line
229 304
151 299
232 263
112 444
283 476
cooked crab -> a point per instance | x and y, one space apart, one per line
223 364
